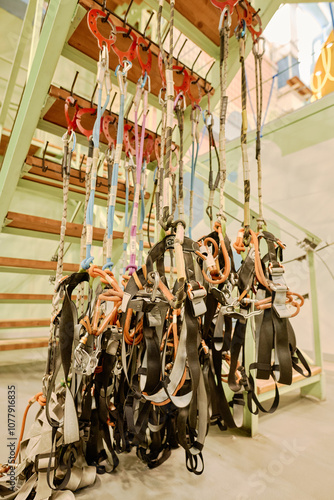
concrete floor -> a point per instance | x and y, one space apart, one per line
290 458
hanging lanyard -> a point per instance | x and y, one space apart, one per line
121 74
141 94
258 53
103 80
212 184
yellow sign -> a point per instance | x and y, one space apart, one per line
322 79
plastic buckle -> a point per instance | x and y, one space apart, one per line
197 296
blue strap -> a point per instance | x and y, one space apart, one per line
114 179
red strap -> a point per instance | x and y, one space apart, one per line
130 54
148 65
93 16
71 124
106 120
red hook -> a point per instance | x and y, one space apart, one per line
130 54
106 120
93 16
145 67
81 112
71 124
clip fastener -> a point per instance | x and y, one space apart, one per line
279 287
197 296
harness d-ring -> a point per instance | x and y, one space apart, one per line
130 54
92 18
145 67
71 123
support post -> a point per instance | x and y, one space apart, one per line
318 388
24 38
53 35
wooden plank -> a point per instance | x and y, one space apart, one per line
269 385
27 298
41 265
24 323
5 140
14 344
83 40
56 115
51 226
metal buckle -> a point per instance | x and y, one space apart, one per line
196 297
279 287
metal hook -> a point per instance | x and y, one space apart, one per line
148 23
127 13
195 61
156 131
207 73
112 102
177 59
127 35
128 110
93 94
81 178
105 19
205 78
166 34
73 83
44 168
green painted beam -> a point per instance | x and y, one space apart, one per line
315 309
188 29
315 118
24 39
268 9
55 27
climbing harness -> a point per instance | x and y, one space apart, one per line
145 360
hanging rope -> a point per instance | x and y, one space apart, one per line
166 218
241 36
195 116
224 34
258 53
212 184
179 107
141 95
